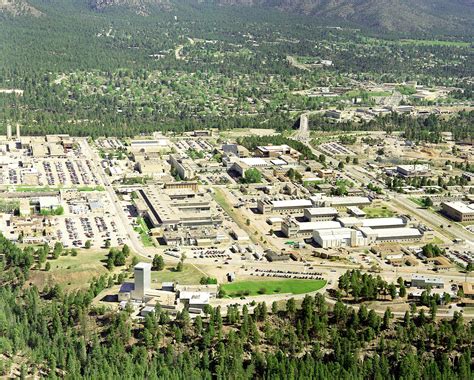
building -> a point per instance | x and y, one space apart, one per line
317 214
150 146
49 203
468 289
339 237
458 211
415 170
289 206
273 150
386 235
292 228
235 149
167 210
342 202
356 211
243 164
142 274
182 166
420 281
378 223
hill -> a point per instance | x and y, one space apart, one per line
393 16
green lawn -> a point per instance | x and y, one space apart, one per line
189 276
418 201
253 288
144 230
378 212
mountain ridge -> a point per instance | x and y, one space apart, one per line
404 16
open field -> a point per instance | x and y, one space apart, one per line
378 212
73 272
189 276
252 288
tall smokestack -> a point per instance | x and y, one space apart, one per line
9 132
18 131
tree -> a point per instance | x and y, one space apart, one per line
87 244
58 248
180 266
341 165
252 175
428 202
126 250
47 267
402 292
158 263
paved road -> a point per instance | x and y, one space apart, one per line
432 218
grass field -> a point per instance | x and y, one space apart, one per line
189 276
378 212
73 272
253 288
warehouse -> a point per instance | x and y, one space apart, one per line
318 214
458 211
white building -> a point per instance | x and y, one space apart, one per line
420 281
339 237
142 274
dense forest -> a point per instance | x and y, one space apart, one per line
56 334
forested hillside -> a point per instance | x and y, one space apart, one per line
56 334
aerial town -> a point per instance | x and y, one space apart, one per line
237 190
237 212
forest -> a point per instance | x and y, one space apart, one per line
58 334
84 73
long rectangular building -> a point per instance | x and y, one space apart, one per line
290 206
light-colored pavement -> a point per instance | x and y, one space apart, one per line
135 243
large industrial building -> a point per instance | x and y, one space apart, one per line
458 211
416 170
339 237
292 228
176 208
